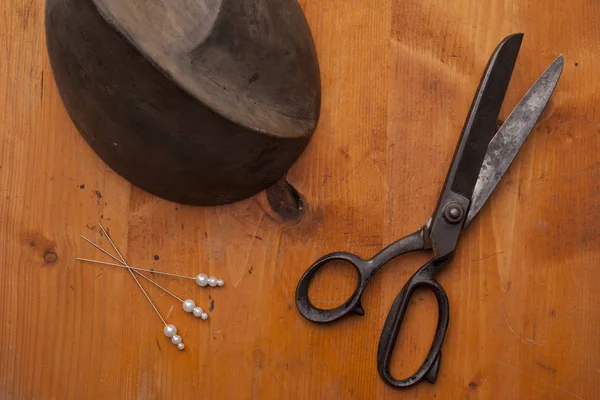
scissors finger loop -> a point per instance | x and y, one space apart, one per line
430 367
352 305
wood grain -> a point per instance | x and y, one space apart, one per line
398 78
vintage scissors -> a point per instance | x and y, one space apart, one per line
481 158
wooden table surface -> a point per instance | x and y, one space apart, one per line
398 79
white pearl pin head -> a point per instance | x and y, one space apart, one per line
189 305
198 312
170 331
176 339
202 280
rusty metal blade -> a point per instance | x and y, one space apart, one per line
509 139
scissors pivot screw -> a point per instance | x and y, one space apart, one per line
453 213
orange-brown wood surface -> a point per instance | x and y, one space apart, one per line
398 79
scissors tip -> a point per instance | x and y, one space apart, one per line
556 68
516 37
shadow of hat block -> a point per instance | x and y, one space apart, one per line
200 102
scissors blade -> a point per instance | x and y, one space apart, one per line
480 125
509 139
478 131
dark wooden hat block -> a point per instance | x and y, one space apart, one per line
200 102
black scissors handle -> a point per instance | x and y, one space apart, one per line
365 269
424 277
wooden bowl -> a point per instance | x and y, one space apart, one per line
200 102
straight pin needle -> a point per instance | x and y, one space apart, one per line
157 285
202 280
124 265
188 305
170 331
130 271
148 297
130 267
